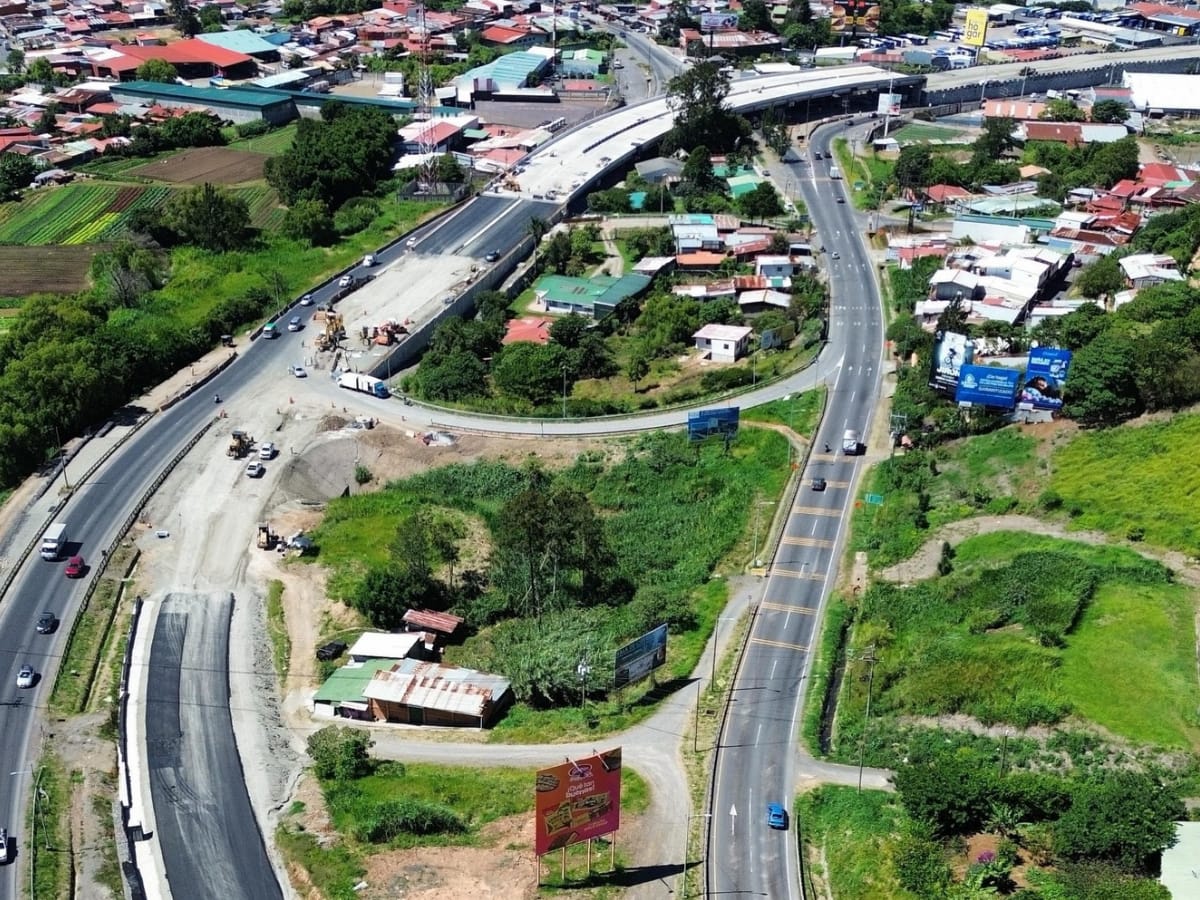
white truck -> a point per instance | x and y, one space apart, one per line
54 541
355 381
835 172
850 443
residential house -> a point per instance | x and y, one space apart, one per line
1143 270
595 297
513 38
757 301
723 343
382 645
425 693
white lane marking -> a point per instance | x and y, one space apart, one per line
478 234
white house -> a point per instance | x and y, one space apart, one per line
1146 269
381 645
723 343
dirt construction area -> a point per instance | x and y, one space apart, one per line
214 165
198 534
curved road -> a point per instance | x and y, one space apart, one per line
756 755
766 702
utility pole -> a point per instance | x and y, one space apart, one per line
871 659
564 375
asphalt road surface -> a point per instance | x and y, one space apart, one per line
206 827
756 758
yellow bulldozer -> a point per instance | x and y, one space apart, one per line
333 333
239 444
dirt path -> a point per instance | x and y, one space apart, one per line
923 563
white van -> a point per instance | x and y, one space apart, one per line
368 260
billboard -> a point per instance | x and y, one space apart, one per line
889 105
987 385
951 351
576 801
1046 377
711 21
975 30
705 423
639 658
861 16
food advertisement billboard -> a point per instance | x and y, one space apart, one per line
577 800
988 386
889 105
639 658
951 351
1046 377
855 15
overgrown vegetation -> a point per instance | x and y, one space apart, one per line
380 805
576 562
281 645
47 825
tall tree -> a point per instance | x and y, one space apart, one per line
16 173
760 203
184 17
156 69
1110 112
697 98
208 217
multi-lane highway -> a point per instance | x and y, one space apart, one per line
756 756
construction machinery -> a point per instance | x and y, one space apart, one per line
239 444
267 539
334 331
384 334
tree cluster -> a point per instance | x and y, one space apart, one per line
702 117
346 153
1144 356
204 216
1103 828
194 129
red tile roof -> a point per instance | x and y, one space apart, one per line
1125 188
941 193
1160 173
1061 132
536 331
499 34
444 623
700 259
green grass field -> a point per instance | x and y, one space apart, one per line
918 132
853 835
798 413
993 473
272 143
1030 629
1134 481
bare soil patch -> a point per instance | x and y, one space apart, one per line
215 165
28 270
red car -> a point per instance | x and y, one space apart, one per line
75 567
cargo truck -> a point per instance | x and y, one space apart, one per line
850 443
356 382
54 541
835 172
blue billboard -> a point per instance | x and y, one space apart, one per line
639 658
1046 377
987 385
706 423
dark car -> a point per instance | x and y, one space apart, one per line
776 815
46 623
493 256
841 199
331 651
818 484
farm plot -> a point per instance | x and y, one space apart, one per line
28 270
75 213
265 211
215 165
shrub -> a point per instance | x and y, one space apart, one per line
718 380
340 754
392 818
355 215
362 475
252 129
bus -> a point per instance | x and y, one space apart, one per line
918 40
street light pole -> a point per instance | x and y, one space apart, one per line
564 375
862 745
687 847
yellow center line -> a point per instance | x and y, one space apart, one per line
784 644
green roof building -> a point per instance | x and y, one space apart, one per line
595 297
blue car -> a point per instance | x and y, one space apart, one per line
776 815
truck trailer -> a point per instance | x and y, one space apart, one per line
54 541
356 382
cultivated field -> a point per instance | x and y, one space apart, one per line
28 270
215 165
74 213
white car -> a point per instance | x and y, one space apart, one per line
345 281
298 371
25 676
410 243
255 470
266 451
306 300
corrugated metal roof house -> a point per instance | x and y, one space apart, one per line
424 693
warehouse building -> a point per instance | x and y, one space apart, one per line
236 105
